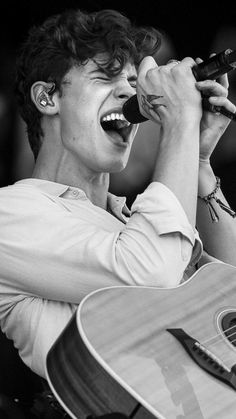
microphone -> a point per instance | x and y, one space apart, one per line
212 68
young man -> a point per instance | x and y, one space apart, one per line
62 234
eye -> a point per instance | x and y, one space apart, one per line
133 84
103 78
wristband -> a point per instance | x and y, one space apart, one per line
207 199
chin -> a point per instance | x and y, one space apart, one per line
118 167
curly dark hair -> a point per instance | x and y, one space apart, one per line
71 38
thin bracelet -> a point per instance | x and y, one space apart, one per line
207 199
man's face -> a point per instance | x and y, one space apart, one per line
92 126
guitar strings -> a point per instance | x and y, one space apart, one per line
219 335
232 341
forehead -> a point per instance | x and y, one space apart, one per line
95 66
101 60
98 64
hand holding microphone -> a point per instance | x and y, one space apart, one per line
211 69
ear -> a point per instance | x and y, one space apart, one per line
45 102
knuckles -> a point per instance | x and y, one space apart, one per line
165 74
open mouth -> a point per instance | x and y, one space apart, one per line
116 122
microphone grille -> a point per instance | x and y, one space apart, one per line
131 111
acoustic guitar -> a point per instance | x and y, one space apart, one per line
149 352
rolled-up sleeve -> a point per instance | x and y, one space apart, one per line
160 238
163 210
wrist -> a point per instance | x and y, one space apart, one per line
181 130
206 178
204 162
181 115
213 196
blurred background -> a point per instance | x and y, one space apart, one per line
189 28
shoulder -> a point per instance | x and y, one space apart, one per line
23 197
18 190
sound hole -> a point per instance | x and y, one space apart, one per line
228 324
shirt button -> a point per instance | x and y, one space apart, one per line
75 193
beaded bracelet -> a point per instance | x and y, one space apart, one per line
207 199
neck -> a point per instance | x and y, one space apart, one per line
65 170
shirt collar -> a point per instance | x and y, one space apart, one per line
52 188
116 204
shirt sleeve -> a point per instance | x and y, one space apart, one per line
63 256
34 324
161 208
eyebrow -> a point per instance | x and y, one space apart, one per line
101 71
97 70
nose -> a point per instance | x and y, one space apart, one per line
123 90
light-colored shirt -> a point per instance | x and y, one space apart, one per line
56 247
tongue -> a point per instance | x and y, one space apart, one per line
122 124
116 135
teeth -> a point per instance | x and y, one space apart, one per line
115 116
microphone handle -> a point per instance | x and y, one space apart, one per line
215 66
212 68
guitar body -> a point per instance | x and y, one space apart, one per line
117 355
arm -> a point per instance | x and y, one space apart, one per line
168 96
219 238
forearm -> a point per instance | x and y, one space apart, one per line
177 166
219 238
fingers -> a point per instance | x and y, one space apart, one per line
222 102
148 63
186 62
189 61
173 61
211 88
198 60
224 80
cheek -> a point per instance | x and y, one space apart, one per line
81 140
73 112
76 125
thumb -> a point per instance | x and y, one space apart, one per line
146 64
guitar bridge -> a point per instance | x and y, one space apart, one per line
205 358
